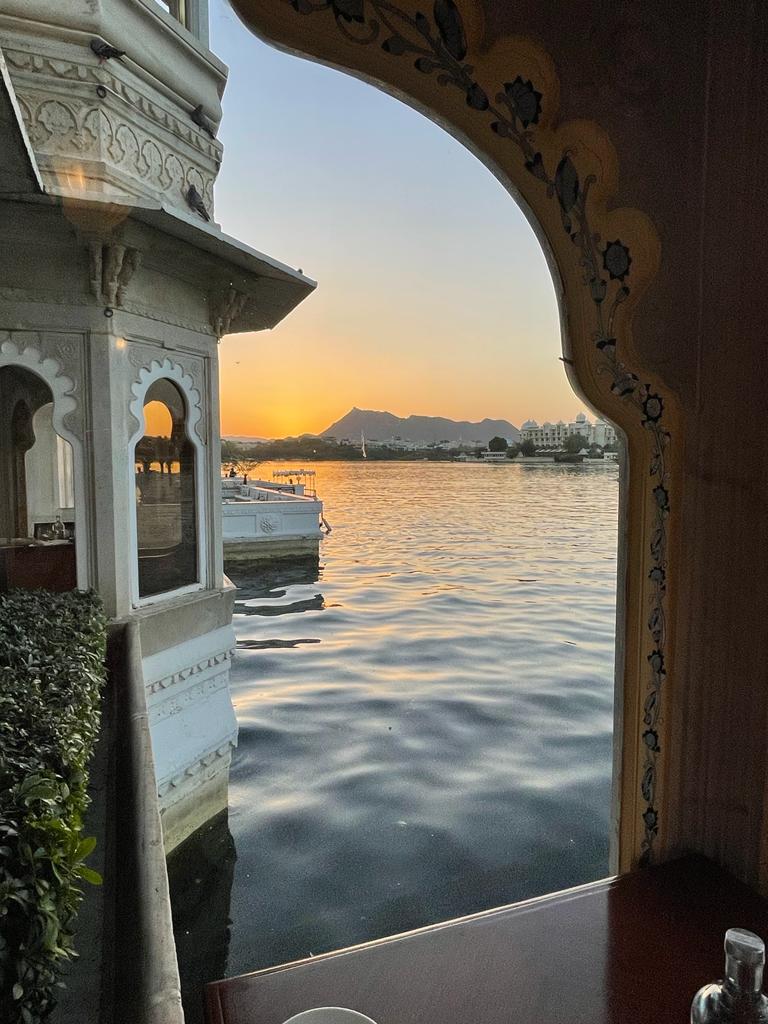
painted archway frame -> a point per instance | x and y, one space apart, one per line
502 103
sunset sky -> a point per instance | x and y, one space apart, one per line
433 294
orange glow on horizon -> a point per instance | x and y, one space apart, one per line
434 297
427 356
304 384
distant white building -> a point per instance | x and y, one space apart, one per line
602 433
555 434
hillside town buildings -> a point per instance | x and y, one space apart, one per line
543 435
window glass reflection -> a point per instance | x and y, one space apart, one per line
37 501
176 8
166 514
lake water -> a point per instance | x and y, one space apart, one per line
425 721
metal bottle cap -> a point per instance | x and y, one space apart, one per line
745 946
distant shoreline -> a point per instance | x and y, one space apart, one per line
519 460
319 450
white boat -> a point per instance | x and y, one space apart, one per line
495 458
270 520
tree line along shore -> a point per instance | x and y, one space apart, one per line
318 449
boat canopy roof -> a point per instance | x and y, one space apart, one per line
277 473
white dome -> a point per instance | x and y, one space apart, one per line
529 425
581 418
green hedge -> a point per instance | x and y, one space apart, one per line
52 650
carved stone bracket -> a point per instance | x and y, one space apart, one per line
225 306
112 267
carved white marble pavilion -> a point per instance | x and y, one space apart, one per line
115 291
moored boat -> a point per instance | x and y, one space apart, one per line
271 520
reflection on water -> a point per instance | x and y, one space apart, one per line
425 720
270 590
263 645
200 875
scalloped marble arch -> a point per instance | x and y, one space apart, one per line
62 390
166 370
502 103
51 371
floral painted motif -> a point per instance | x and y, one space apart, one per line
616 260
523 100
651 739
653 407
656 661
451 28
651 819
438 45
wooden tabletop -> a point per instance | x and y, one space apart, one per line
631 950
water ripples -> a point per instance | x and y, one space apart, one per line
425 723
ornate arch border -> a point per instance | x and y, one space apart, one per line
502 103
167 370
63 389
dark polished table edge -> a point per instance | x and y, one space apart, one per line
520 907
666 921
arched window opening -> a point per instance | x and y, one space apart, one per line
37 503
50 477
166 509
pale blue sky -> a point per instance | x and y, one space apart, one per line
434 296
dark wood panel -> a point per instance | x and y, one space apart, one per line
48 566
633 949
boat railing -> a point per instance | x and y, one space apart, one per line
239 492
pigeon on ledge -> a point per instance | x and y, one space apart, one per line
104 51
195 202
202 121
